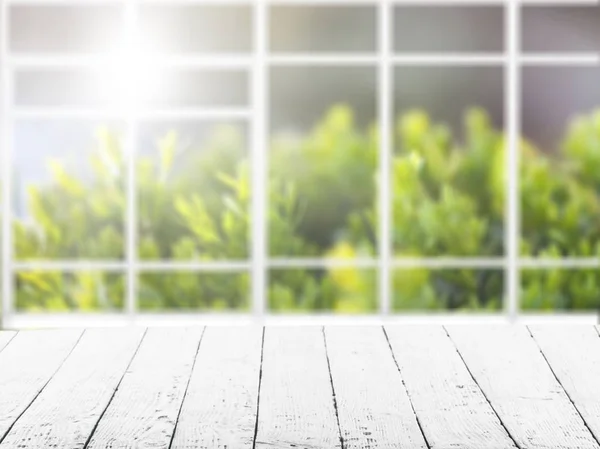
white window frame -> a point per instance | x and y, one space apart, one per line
258 64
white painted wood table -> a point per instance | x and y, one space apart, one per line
301 387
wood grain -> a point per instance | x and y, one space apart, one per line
220 406
296 404
573 352
488 387
26 366
5 338
65 413
144 409
373 407
452 409
511 371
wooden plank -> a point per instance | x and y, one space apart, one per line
5 338
296 404
573 352
26 366
144 409
67 410
220 406
374 410
452 410
511 371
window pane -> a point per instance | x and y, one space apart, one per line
561 28
448 166
560 289
193 191
196 28
560 162
323 161
69 200
53 291
110 89
194 88
62 88
457 290
437 28
345 290
191 291
64 29
322 28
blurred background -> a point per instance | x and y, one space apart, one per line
193 168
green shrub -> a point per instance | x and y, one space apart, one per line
448 200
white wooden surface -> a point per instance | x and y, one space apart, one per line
472 387
26 365
66 411
5 338
573 352
222 399
452 409
145 408
373 407
513 374
296 407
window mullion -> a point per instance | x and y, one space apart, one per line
7 299
259 158
385 159
130 25
512 94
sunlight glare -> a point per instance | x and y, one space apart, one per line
128 76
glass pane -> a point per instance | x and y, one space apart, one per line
319 28
156 89
456 290
191 291
193 191
448 165
65 29
561 28
560 162
69 199
435 28
53 291
62 88
323 162
194 88
560 289
196 28
345 290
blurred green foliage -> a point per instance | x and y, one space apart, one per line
448 193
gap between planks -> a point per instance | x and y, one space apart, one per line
573 355
33 372
517 379
560 360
